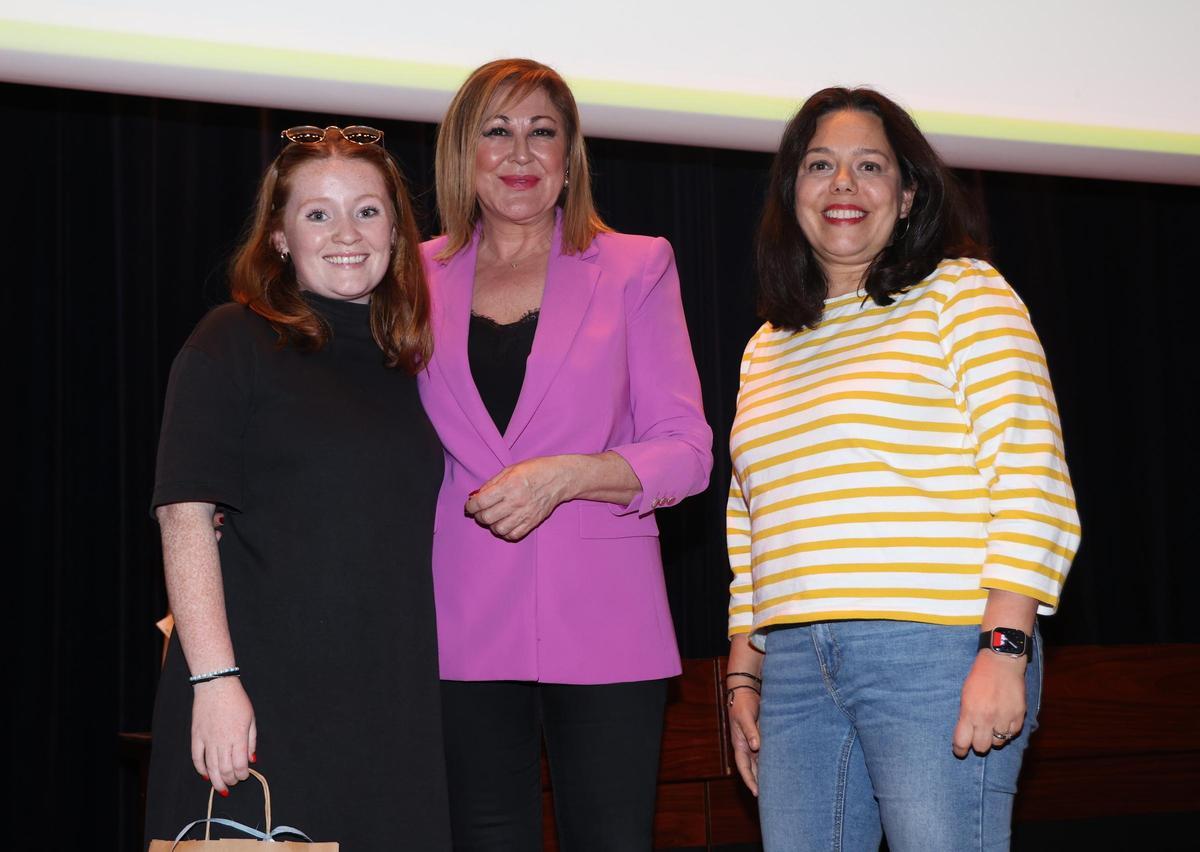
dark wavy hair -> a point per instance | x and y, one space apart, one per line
266 283
792 286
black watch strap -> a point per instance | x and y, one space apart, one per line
1008 641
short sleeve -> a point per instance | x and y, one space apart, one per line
208 401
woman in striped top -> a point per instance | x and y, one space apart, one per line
900 510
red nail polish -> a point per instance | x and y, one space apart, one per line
224 794
253 757
205 777
473 493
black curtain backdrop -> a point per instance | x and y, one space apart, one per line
122 213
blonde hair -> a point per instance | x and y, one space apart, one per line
266 283
458 138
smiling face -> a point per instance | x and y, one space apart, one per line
337 226
849 195
520 161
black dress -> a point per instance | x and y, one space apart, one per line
329 471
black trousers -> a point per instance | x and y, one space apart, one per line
602 743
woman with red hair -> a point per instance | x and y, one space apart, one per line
305 640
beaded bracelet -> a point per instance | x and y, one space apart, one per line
733 689
232 671
752 677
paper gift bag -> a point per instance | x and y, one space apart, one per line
272 835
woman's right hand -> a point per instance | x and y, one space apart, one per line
743 735
743 680
224 737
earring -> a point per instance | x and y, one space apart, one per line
567 178
283 255
902 234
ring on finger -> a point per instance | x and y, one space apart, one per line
1003 737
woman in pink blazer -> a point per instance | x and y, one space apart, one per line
563 389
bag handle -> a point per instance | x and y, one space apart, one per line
253 832
266 806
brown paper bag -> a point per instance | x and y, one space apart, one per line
241 844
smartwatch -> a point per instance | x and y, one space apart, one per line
1007 641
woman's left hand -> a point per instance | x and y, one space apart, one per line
993 702
513 502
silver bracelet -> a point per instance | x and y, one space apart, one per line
232 671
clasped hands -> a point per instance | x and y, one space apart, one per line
513 502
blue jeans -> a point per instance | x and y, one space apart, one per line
856 724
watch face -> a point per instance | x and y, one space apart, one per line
1008 641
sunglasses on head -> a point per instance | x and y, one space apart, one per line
307 134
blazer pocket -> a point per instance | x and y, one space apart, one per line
596 520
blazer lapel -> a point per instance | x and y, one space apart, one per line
570 283
450 346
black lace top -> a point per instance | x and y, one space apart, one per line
497 353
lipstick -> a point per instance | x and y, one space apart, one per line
521 182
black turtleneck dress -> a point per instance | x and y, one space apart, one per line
328 471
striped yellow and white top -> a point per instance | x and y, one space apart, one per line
897 462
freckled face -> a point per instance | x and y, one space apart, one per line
337 226
520 163
848 191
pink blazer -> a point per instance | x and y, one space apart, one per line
581 599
